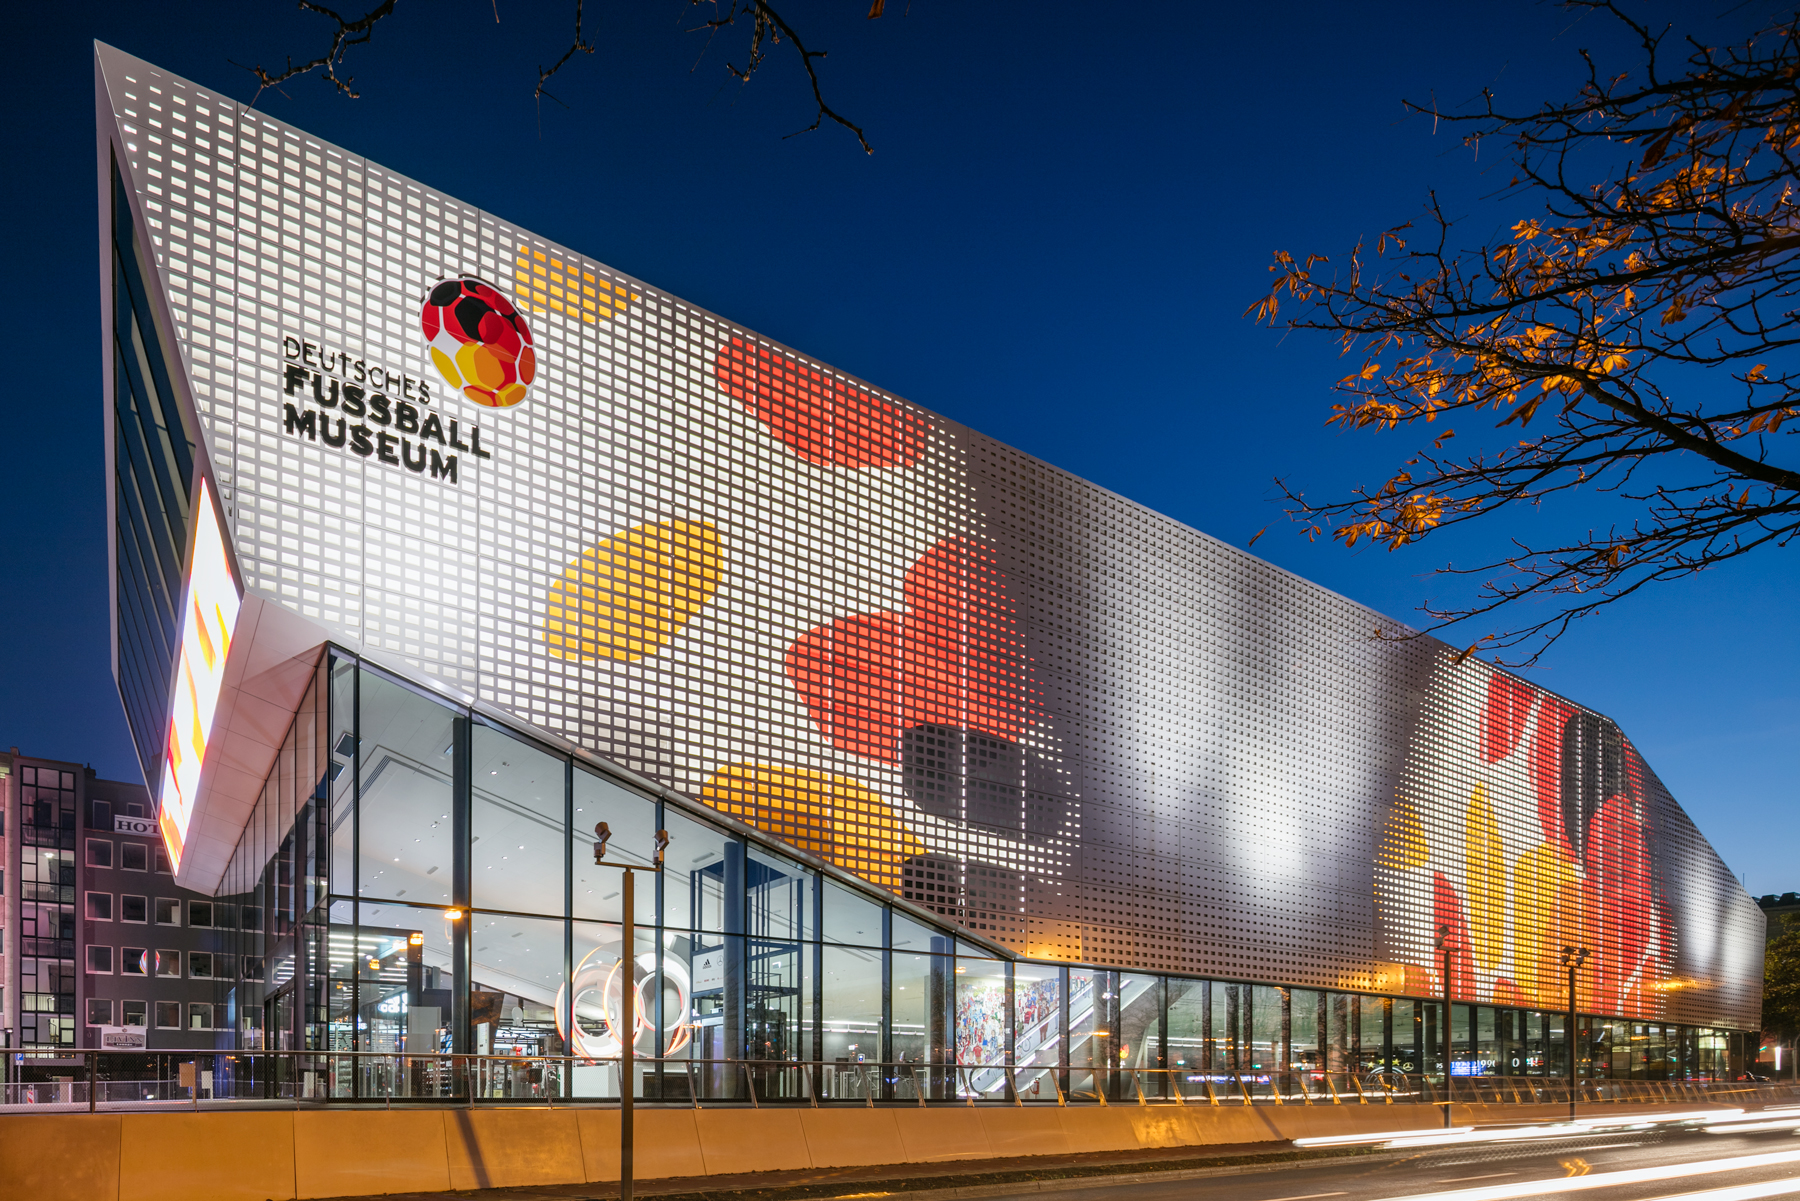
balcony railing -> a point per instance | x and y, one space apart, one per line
113 1079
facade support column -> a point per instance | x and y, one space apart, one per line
461 887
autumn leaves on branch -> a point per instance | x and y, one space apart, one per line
1631 330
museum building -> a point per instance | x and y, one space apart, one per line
435 544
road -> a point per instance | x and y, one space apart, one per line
1622 1166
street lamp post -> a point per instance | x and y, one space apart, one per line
1572 957
1444 945
627 999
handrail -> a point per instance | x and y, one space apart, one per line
112 1077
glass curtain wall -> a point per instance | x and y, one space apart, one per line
1038 1046
44 943
1139 1057
292 965
416 879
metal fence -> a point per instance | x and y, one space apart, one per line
93 1079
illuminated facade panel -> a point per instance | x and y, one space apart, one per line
1050 717
209 616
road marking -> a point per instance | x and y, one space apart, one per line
1489 1176
1597 1180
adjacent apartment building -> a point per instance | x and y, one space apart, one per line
100 947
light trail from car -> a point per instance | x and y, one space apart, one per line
1603 1180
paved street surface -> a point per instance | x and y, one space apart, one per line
1609 1167
1682 1164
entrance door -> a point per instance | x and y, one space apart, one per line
278 1036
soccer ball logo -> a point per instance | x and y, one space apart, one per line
478 341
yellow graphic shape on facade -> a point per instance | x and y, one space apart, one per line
1546 917
1484 867
547 284
1403 842
626 597
834 817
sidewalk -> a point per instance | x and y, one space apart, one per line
923 1182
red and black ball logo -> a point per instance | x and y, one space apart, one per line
479 341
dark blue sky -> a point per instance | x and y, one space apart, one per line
1067 212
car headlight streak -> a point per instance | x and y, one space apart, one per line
1610 1180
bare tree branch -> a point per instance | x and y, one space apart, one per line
767 29
347 34
576 46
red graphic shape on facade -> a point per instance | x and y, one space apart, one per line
827 421
1509 703
1546 773
1447 911
954 658
1617 877
845 672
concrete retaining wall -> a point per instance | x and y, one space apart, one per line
282 1155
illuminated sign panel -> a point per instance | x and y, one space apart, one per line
1072 725
210 612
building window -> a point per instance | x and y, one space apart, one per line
99 906
131 1013
133 909
162 860
168 913
102 815
168 963
168 1015
133 809
131 961
253 967
99 852
199 1016
200 965
100 959
99 1011
251 917
200 914
134 857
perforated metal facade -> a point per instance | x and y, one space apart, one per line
1073 725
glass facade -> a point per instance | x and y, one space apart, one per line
418 878
45 945
152 459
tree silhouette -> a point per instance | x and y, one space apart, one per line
1635 325
767 29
